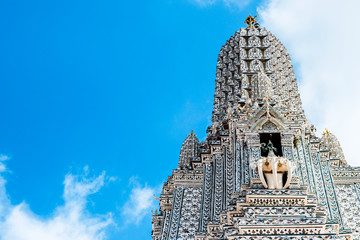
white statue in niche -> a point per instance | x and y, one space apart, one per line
274 170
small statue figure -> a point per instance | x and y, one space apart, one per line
269 149
272 169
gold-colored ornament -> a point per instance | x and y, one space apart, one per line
251 21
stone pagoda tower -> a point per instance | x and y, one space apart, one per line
261 173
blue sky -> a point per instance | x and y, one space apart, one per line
96 99
112 85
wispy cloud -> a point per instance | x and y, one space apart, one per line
203 3
229 3
68 222
140 203
322 38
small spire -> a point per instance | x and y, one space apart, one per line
251 21
326 131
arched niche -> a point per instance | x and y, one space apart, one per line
278 125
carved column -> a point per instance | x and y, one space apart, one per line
207 200
253 143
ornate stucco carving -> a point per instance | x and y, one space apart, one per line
226 188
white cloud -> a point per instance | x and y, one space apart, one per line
2 165
140 202
68 222
322 38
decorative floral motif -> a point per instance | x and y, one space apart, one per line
190 213
269 126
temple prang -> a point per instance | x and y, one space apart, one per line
261 173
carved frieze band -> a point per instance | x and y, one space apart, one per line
206 204
175 213
219 181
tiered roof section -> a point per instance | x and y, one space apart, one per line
274 214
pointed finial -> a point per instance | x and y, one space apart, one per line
251 21
326 131
192 133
